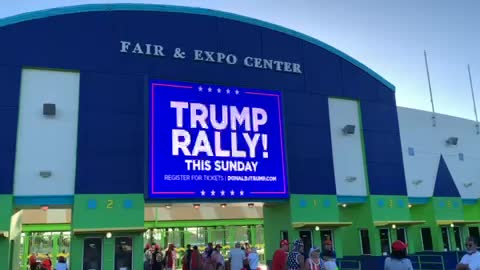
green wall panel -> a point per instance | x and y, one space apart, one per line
389 208
76 252
276 219
436 209
4 253
202 223
6 211
472 212
448 208
314 208
361 217
317 209
46 227
108 211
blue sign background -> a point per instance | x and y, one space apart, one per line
169 176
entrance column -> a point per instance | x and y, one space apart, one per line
6 211
276 220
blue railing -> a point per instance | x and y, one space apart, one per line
347 264
428 262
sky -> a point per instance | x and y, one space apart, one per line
387 36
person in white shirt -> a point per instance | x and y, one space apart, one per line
253 259
236 257
471 260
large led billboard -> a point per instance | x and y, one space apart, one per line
215 142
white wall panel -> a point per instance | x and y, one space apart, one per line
47 143
429 143
347 149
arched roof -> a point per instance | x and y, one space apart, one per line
188 10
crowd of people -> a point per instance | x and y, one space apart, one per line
36 263
239 258
284 259
246 258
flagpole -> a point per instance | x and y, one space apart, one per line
434 123
473 98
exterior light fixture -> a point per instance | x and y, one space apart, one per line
344 205
452 141
467 185
251 205
317 228
168 206
394 226
109 235
45 174
223 205
348 130
451 225
417 182
410 206
196 205
49 109
350 179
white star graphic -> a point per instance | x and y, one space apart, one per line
212 192
209 89
241 192
237 92
222 192
202 192
228 91
200 88
232 192
219 90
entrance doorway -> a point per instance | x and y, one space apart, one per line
123 252
365 241
457 234
473 231
427 241
306 237
326 235
445 238
385 241
402 235
199 224
92 254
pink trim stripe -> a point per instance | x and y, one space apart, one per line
173 192
268 192
282 144
261 94
172 85
152 132
280 124
152 125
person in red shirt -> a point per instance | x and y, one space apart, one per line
170 257
279 261
32 261
47 263
196 260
